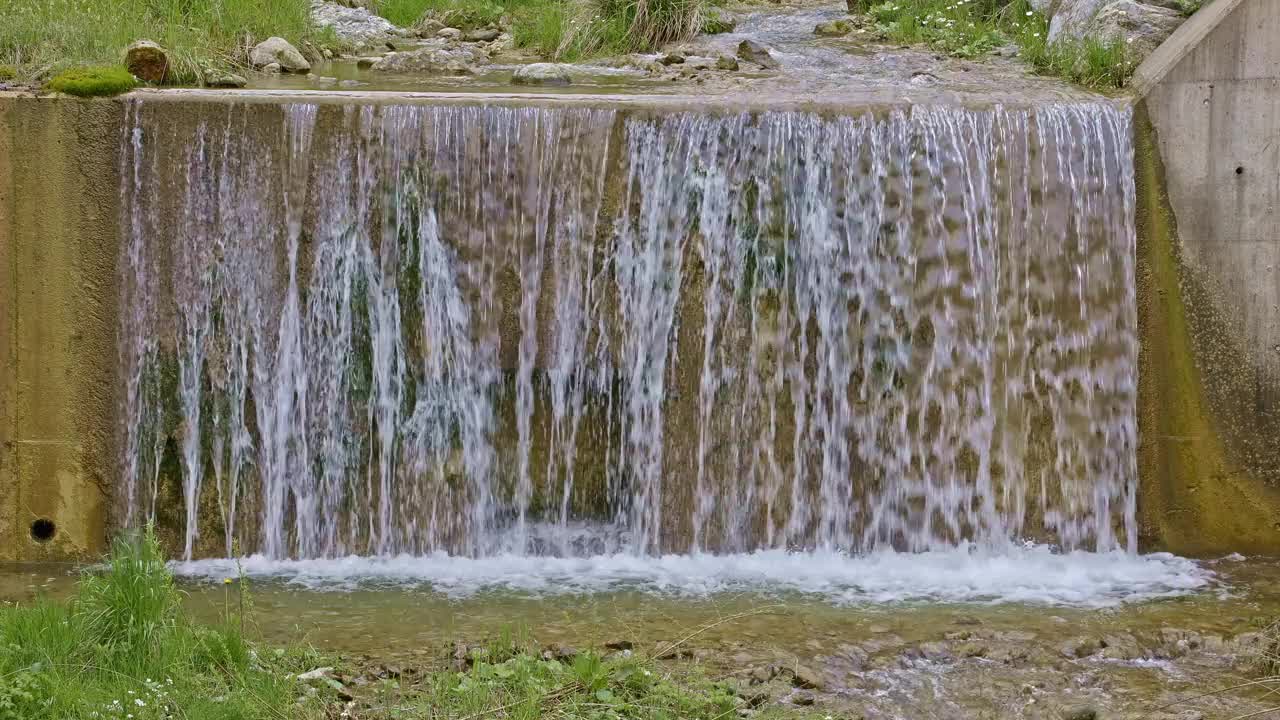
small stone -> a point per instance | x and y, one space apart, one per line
802 698
1080 712
278 51
935 651
272 68
807 678
429 27
672 58
147 61
482 35
619 645
319 673
1080 647
752 51
449 33
1121 646
724 62
541 74
833 28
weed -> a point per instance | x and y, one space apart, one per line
8 72
93 81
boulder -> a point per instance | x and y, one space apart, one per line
542 74
672 58
449 33
147 61
1141 26
724 62
278 51
354 25
754 52
432 61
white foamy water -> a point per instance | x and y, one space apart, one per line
1029 574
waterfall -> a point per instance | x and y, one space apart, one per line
570 331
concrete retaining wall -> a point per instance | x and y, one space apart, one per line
58 249
1209 133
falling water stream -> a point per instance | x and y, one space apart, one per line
549 333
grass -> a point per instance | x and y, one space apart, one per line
565 29
971 28
93 81
122 647
42 37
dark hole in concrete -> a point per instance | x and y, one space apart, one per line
43 530
1239 169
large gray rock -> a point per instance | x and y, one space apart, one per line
147 61
1141 26
354 25
542 74
432 61
278 51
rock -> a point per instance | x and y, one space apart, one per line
1079 712
321 673
752 51
449 33
724 62
365 63
354 25
557 651
1121 646
428 27
803 699
432 61
147 61
482 35
222 79
1080 647
935 652
272 68
278 51
672 58
833 28
619 645
1140 26
541 74
807 678
972 648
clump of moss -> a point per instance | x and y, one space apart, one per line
8 72
93 81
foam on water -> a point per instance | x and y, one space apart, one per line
1032 574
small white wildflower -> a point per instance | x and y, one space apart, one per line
138 702
1030 13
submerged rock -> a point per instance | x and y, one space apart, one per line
724 62
752 51
432 61
542 74
147 61
833 28
354 25
672 58
222 79
277 51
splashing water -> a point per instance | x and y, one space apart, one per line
441 331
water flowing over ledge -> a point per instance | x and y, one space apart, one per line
1030 574
414 330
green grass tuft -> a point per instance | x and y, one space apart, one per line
93 81
8 72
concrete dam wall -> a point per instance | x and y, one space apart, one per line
987 395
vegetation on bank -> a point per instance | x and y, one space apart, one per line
42 37
971 28
123 648
93 81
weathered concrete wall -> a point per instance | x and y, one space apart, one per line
1209 275
58 248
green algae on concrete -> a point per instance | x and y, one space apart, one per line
1194 497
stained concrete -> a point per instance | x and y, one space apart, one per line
1209 173
58 248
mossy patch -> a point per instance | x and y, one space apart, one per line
8 72
93 81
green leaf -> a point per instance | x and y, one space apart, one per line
604 695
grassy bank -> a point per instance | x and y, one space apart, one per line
565 29
41 37
123 648
972 28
